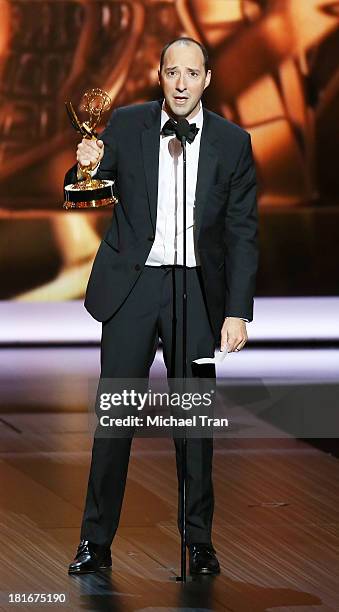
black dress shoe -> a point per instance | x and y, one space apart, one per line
90 558
203 559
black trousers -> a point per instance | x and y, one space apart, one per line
129 342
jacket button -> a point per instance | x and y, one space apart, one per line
150 238
137 267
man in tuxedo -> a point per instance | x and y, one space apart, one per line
135 285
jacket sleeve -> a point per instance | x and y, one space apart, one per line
241 237
108 166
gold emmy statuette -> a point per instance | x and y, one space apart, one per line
89 193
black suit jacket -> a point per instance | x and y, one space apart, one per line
225 212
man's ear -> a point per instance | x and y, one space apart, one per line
159 78
208 78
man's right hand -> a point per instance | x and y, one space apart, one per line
90 152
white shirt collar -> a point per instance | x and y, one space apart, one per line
198 119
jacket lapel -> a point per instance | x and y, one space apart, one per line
150 141
207 165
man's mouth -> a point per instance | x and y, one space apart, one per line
180 99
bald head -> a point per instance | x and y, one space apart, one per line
185 41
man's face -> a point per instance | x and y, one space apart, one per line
183 79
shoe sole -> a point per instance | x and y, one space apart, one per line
94 571
205 572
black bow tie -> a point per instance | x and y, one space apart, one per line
170 128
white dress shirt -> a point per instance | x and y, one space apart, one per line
167 248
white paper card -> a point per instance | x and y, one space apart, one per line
219 358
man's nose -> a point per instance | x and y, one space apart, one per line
181 83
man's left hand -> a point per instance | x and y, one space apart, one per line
233 334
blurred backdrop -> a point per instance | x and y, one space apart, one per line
275 72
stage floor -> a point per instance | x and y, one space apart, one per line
276 527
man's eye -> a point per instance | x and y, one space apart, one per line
194 74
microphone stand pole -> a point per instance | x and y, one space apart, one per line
182 577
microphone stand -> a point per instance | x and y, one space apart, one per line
182 492
182 131
184 371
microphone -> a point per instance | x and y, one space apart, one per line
182 129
